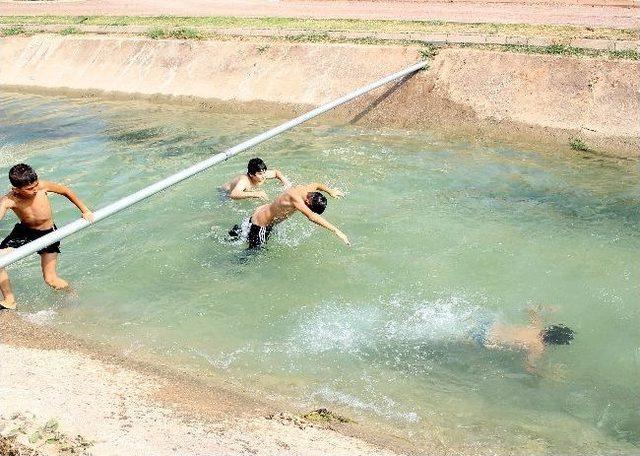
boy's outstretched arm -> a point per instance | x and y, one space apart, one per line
332 192
318 220
531 361
71 196
282 178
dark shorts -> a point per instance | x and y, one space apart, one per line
21 235
256 235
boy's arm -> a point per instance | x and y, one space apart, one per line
318 220
534 316
71 196
276 174
531 361
240 192
5 205
332 192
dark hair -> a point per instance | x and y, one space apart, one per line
22 175
255 166
317 202
557 335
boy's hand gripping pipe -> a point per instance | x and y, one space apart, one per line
167 182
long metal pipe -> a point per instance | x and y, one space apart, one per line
167 182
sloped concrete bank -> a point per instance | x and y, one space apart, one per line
476 93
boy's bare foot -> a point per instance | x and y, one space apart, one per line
58 284
8 304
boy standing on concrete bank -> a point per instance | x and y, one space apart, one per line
246 185
28 199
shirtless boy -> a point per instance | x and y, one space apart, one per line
28 199
304 198
531 339
246 185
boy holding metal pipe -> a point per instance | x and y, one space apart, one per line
28 199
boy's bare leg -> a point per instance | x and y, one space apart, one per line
48 261
9 301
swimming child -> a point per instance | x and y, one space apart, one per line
304 198
531 339
29 200
246 185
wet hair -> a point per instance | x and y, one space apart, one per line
557 335
255 166
22 175
317 202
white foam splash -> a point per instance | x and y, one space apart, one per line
223 360
351 327
41 317
385 407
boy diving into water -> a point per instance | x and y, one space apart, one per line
246 185
531 339
28 199
304 198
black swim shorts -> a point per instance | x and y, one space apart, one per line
22 234
258 235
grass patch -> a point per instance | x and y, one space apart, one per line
156 33
184 33
324 25
11 31
70 31
560 49
629 54
429 51
578 144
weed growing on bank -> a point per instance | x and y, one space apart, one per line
578 144
11 31
156 33
70 31
182 33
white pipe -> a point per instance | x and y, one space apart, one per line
146 192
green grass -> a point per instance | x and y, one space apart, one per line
578 144
10 31
628 54
557 49
316 31
70 31
324 25
184 33
156 33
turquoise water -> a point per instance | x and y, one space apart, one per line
444 234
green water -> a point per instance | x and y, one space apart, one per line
443 233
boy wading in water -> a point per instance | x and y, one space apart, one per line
304 198
28 199
246 185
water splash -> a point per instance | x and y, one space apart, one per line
350 327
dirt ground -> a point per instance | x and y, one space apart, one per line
592 13
143 407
